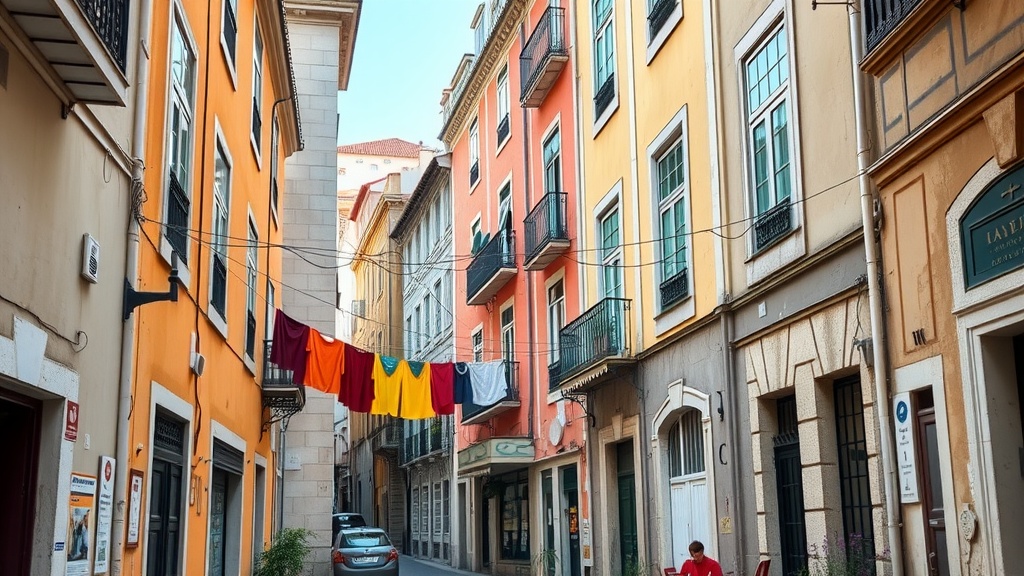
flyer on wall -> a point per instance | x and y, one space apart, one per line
83 493
104 515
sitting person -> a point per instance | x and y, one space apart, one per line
699 564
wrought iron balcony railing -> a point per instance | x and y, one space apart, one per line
543 57
882 17
474 173
503 129
474 414
281 393
599 333
177 219
387 436
675 288
547 233
605 95
554 375
434 440
220 284
772 225
660 12
491 268
109 18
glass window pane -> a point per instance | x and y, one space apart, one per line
761 186
780 152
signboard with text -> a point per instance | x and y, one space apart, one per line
992 230
906 459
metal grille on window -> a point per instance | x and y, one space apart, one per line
854 481
169 434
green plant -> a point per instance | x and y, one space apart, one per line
638 567
546 562
286 555
839 556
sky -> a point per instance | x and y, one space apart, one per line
406 53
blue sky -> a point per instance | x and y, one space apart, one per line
406 52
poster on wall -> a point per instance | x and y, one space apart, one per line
80 520
104 515
906 459
134 508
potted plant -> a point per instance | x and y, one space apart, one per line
286 555
546 562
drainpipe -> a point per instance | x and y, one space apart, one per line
530 295
890 480
124 390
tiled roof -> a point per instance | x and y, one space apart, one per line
392 147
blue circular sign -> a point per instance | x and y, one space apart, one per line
902 410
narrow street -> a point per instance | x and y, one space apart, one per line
409 566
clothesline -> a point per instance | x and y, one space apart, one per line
378 384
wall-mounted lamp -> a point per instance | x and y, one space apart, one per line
133 299
721 411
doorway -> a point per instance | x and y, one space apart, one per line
165 497
789 487
629 554
19 427
571 530
931 476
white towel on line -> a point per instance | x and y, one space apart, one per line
489 382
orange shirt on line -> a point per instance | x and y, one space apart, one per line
326 363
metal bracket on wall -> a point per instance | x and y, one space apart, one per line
580 398
134 299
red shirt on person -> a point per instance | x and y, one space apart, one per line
706 567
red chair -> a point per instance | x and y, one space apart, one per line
762 568
671 571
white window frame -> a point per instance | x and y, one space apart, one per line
226 48
474 152
258 49
221 213
438 308
252 272
183 98
275 173
502 107
418 329
760 265
654 43
438 511
556 319
762 116
610 258
477 340
508 331
603 31
476 226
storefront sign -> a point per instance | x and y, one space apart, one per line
80 520
134 508
71 422
992 230
906 459
104 515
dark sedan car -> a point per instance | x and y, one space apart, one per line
346 520
364 552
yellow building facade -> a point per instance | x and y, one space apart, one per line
220 123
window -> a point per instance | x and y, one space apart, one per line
611 254
438 326
415 516
257 86
221 207
508 334
658 13
474 233
515 517
672 200
250 297
427 317
478 346
480 34
269 320
767 87
474 153
229 29
418 329
504 126
688 487
409 335
556 318
275 135
604 54
437 509
505 207
425 512
179 145
851 442
553 163
446 511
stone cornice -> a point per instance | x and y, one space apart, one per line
494 52
341 14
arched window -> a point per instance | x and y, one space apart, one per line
691 519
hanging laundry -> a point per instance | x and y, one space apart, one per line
326 363
388 373
288 350
489 382
416 396
356 389
442 387
463 390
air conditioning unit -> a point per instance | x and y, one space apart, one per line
359 307
90 259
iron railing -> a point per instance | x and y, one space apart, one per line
177 219
600 332
554 375
250 334
503 129
435 439
660 12
882 17
257 121
547 40
230 28
474 173
388 436
604 95
276 378
220 284
675 288
772 225
109 18
498 253
469 409
546 222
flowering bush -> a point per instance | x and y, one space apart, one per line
838 556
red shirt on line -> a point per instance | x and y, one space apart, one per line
707 567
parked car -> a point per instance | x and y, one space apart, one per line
346 520
364 552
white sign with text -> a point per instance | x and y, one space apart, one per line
906 458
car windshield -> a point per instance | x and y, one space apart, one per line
364 540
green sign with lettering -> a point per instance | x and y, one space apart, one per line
992 230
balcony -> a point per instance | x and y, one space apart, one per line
881 17
772 225
434 441
547 234
387 437
675 288
604 96
85 42
473 414
491 268
660 13
496 456
280 392
554 375
543 57
595 343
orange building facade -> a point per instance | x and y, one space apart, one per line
201 451
509 123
